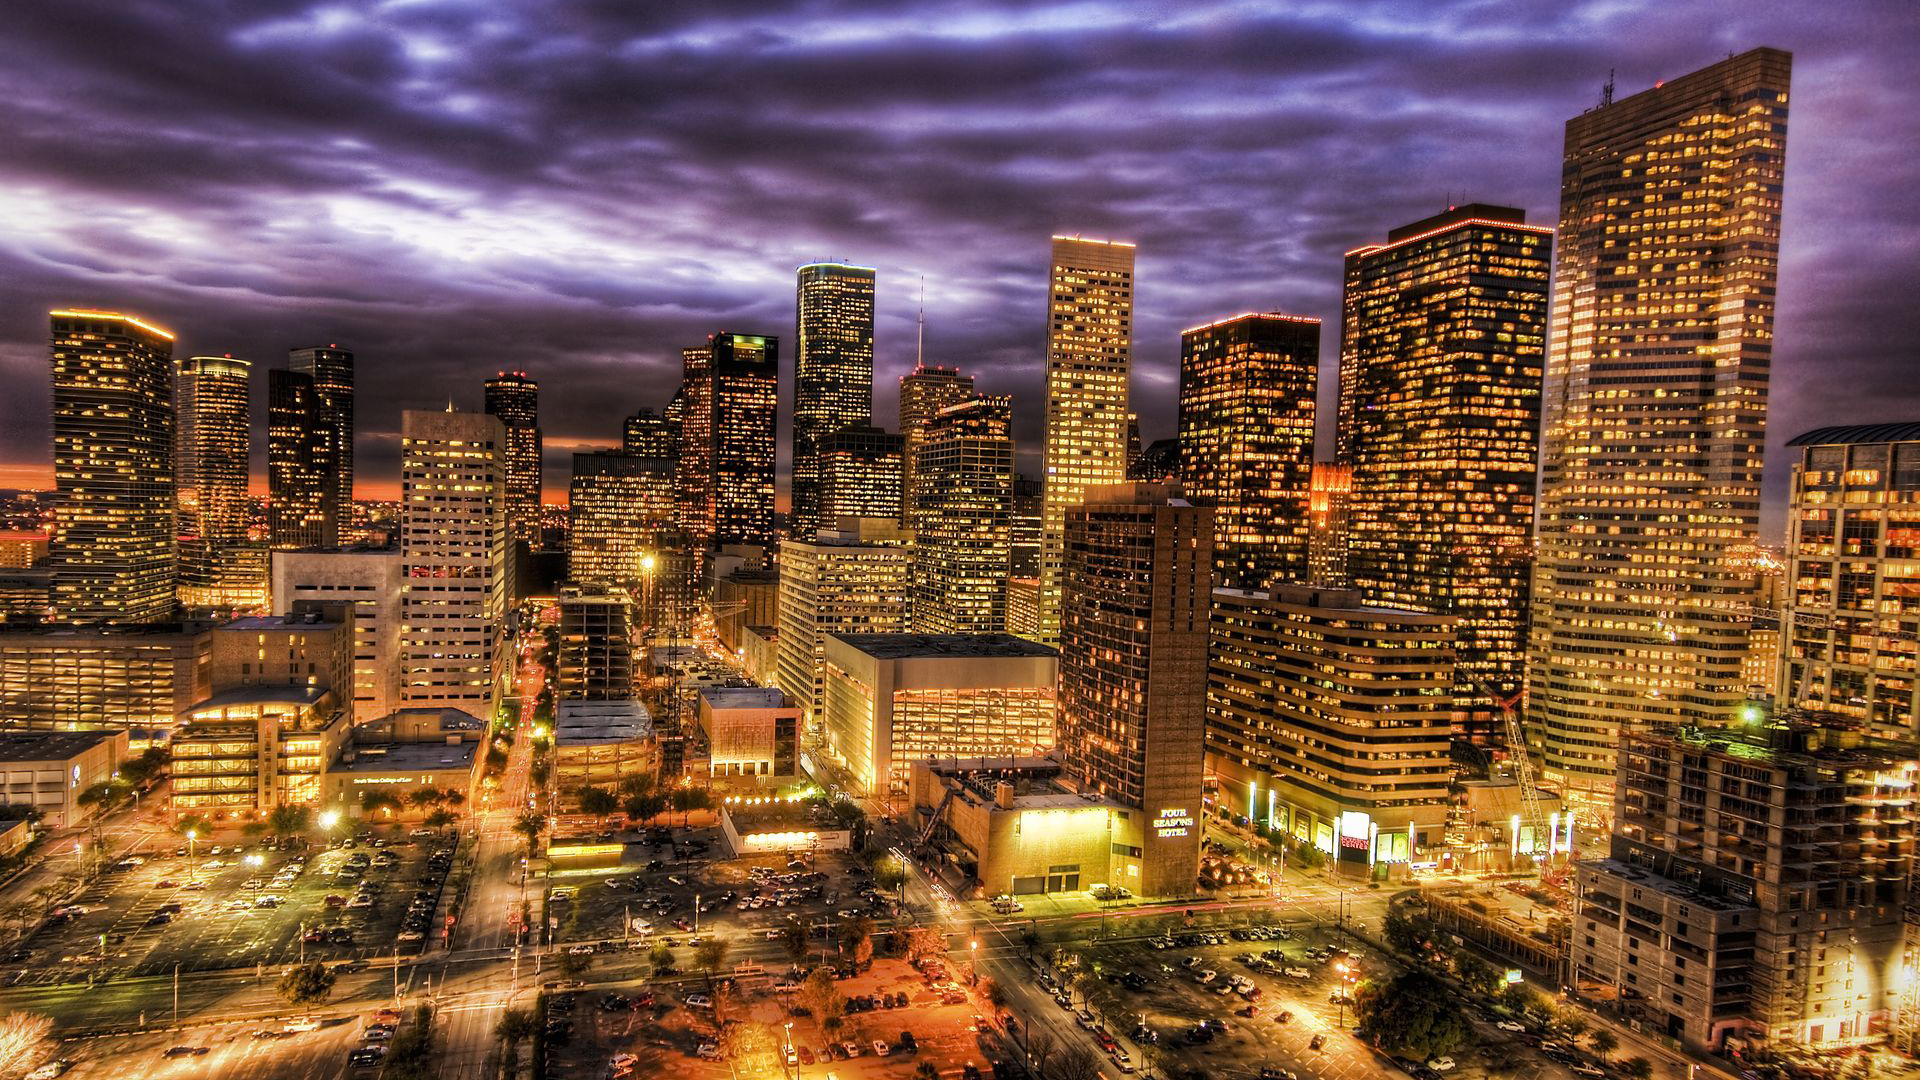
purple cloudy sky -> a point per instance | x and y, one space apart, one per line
581 188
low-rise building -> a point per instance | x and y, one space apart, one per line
894 699
242 753
599 744
752 735
776 826
399 769
1005 825
310 648
48 770
759 653
80 678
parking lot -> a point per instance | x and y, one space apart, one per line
658 1029
670 886
241 905
299 1050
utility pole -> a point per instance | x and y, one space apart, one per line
176 995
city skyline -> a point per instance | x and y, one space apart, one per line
1225 243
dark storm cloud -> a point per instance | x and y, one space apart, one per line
580 189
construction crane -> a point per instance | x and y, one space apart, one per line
1531 814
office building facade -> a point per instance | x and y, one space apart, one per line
1089 363
1137 583
215 438
302 506
113 550
596 646
1654 412
621 509
373 582
726 464
854 584
647 435
1442 346
454 539
513 398
331 369
859 475
924 391
1246 440
963 546
832 375
1329 491
1852 621
1327 722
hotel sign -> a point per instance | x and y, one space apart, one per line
1173 822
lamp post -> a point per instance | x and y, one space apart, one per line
973 962
193 837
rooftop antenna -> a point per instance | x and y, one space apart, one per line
449 402
1606 92
920 345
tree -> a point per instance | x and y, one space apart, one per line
372 802
688 799
1415 1015
1636 1068
515 1026
926 1070
925 941
20 1037
307 984
823 999
142 770
540 772
751 1048
1077 1062
856 941
661 957
794 937
441 819
1031 939
1041 1046
644 806
710 954
1571 1021
530 825
1604 1042
1521 999
1408 934
193 824
597 801
991 990
890 874
1480 977
287 821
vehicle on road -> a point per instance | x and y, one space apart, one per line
880 1048
1509 1025
1441 1064
184 1051
50 1070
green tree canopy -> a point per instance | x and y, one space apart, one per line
1414 1015
307 984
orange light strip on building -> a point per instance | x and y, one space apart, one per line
1084 240
1368 249
1254 315
81 314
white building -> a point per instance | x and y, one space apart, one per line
371 579
454 542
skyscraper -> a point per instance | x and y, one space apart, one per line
1246 440
215 438
514 399
332 370
301 508
647 435
621 505
1327 495
454 538
924 391
859 475
1853 538
964 546
1089 360
1655 406
727 440
113 550
1135 590
832 373
1443 338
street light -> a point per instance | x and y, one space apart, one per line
193 836
973 962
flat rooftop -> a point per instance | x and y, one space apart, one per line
449 718
264 695
300 620
408 757
584 723
944 646
743 697
49 745
755 817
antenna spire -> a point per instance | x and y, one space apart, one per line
920 345
1606 92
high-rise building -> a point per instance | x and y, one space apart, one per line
832 374
859 476
1089 361
964 545
858 582
1246 440
1756 888
726 461
1327 495
924 391
1327 721
1136 587
621 506
1654 413
374 582
301 511
513 398
332 370
1444 335
113 551
455 541
215 440
1852 624
647 435
1029 501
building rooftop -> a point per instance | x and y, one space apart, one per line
584 723
1859 433
397 757
450 718
302 620
743 697
1328 598
751 815
955 646
264 695
49 745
